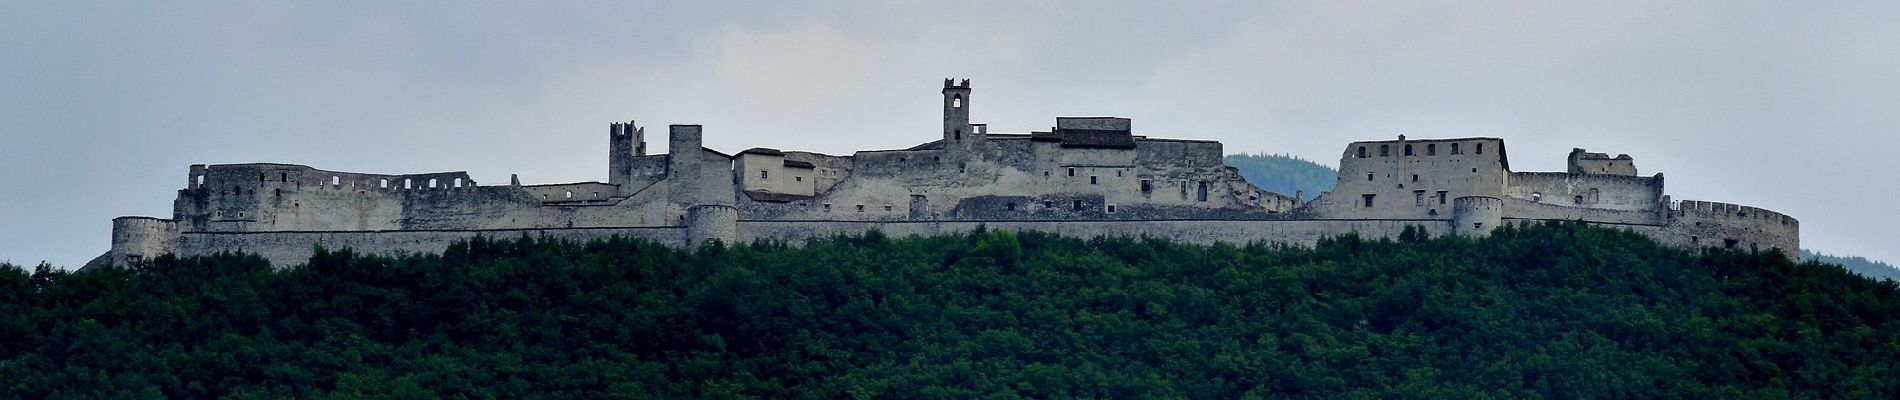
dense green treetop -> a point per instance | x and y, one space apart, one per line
1556 310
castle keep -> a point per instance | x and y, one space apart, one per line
1085 176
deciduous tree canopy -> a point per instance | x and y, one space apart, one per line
1555 310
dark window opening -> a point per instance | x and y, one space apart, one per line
1431 149
1091 179
283 177
827 207
260 177
1408 150
1477 225
1071 171
1441 197
1362 151
1454 149
1368 177
1010 206
1147 186
1111 208
1480 148
1385 151
887 208
763 174
1414 178
1202 196
798 179
1078 205
1048 204
860 208
959 134
1418 198
1730 243
1368 199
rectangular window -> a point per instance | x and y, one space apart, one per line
762 174
1441 197
1071 171
860 208
1368 177
1368 199
1111 208
1480 148
1048 204
1010 206
1091 179
1454 149
1414 178
1078 205
1431 149
1418 198
798 179
827 207
1147 186
1203 192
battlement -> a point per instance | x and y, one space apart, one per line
1728 211
949 83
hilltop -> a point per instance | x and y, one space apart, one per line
1555 310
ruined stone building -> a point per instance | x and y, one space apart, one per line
1085 176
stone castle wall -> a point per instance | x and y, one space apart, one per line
1086 176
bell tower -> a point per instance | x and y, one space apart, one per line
958 135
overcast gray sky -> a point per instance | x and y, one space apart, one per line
1790 106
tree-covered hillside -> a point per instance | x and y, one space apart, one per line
1860 265
1558 310
1284 174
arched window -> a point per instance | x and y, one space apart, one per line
956 102
1480 148
458 182
1385 151
1362 151
1408 150
385 183
408 183
570 194
1454 149
336 181
431 182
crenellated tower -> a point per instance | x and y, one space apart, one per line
960 139
624 142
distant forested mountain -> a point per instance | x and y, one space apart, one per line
1284 174
1859 265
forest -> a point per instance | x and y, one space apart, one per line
1547 310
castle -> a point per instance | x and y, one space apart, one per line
1085 176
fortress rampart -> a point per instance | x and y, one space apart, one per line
1084 176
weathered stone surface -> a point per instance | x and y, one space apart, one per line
1090 176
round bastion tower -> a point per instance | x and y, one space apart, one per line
1476 216
706 222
